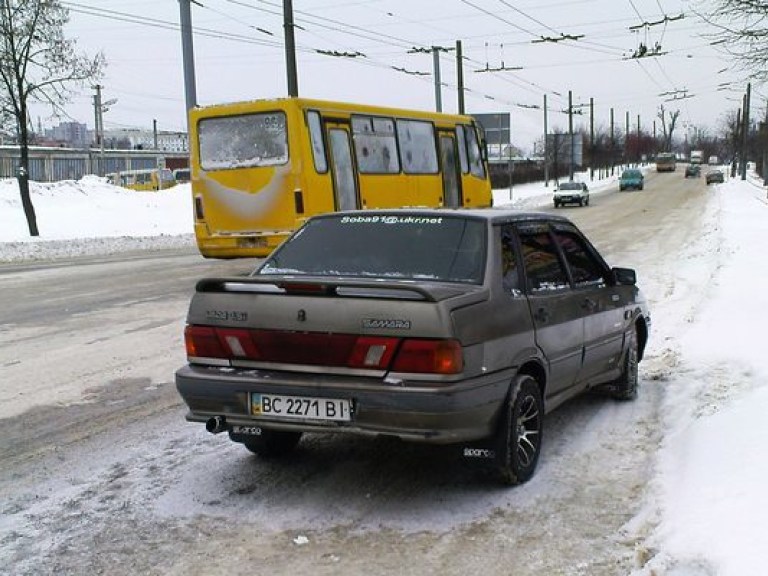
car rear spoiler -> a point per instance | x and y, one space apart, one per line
328 287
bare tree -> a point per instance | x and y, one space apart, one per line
37 64
741 30
668 122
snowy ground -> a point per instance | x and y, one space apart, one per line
707 500
90 217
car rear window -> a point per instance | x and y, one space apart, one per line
570 186
409 246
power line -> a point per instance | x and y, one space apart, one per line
309 23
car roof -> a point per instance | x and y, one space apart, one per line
492 215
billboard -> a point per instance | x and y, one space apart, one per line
559 149
496 127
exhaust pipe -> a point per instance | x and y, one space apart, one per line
216 424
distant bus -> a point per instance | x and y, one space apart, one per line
666 162
261 168
181 175
697 156
145 180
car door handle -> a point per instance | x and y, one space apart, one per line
541 315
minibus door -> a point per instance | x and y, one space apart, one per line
450 170
342 167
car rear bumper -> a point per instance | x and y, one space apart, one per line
438 413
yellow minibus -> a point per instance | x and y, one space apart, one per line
261 168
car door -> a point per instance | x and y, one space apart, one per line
554 306
601 301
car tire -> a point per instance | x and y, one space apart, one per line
520 432
273 443
557 205
640 187
586 201
625 388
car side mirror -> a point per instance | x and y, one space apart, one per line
624 276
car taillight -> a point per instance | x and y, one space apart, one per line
203 342
320 349
429 356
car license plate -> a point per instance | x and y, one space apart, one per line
301 407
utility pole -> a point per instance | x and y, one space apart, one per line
765 146
435 50
546 151
591 139
96 114
438 90
745 132
613 144
639 157
570 134
99 119
736 138
626 138
460 75
290 49
154 132
188 56
99 108
511 166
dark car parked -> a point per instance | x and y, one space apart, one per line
460 327
692 171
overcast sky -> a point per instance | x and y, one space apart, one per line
239 54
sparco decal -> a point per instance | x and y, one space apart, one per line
247 430
479 453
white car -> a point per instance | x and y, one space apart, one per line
571 193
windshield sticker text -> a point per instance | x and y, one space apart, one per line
391 220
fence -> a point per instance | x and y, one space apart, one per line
53 164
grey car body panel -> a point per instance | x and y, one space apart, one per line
310 313
449 413
576 342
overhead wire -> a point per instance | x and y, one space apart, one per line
306 21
